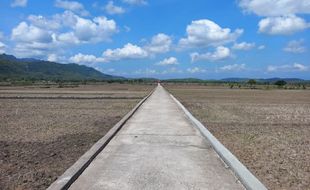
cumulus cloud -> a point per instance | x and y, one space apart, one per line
146 71
129 51
85 59
160 43
282 25
52 57
233 67
275 7
34 49
68 38
243 46
196 70
96 30
72 6
280 15
295 46
135 2
84 30
287 68
77 29
168 61
205 32
29 33
2 47
19 3
42 22
112 9
220 53
39 36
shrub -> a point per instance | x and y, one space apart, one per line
280 83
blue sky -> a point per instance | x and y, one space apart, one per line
163 38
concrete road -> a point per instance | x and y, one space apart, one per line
158 148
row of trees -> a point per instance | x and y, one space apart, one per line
279 83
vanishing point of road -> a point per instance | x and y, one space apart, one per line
157 148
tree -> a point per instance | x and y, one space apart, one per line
252 82
280 83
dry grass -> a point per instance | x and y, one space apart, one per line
267 130
41 138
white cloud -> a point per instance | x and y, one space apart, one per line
129 51
52 57
295 46
220 53
300 67
67 38
42 22
196 70
111 70
84 30
243 46
147 72
261 47
135 2
172 70
280 15
29 33
160 43
287 68
66 28
19 3
85 59
96 30
34 49
282 25
72 6
43 36
205 32
112 9
169 61
2 47
233 67
275 7
32 41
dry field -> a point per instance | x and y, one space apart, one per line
44 131
268 130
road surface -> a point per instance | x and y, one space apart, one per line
157 148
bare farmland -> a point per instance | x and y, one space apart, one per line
268 130
44 131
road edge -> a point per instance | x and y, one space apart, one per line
249 181
73 172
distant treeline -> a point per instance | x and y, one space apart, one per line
248 83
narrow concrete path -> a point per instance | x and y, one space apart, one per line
158 148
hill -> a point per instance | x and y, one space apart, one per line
12 68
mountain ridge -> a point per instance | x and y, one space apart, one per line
13 68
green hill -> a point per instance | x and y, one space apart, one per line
12 68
